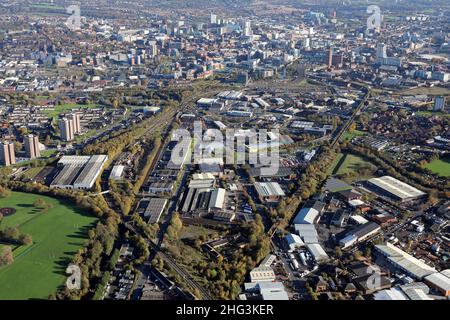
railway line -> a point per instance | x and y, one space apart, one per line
205 295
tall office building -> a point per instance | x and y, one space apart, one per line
381 51
32 146
75 117
213 18
247 28
330 58
7 154
153 49
67 130
439 104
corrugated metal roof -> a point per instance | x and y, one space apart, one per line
306 215
267 189
317 251
217 199
440 280
412 265
396 187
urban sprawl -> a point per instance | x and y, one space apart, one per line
352 103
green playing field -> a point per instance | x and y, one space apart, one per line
39 269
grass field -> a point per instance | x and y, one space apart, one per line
48 153
331 169
347 163
351 135
67 107
440 167
39 269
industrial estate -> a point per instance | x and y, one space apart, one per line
225 150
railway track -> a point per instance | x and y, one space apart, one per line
205 295
351 119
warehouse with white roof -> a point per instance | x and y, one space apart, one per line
317 252
78 172
116 172
306 216
307 233
269 191
217 199
395 189
293 241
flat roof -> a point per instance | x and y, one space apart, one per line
390 294
359 219
154 209
404 260
217 198
396 187
272 291
116 172
306 216
292 239
267 189
282 172
90 171
364 229
440 280
317 251
67 175
201 184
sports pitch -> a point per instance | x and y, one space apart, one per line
39 269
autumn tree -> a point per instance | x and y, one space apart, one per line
4 192
6 256
41 204
25 239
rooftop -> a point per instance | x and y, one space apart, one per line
396 187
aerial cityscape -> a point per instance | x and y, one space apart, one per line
244 150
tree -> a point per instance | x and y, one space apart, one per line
352 127
17 146
25 239
338 252
23 131
10 233
4 193
6 256
41 204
